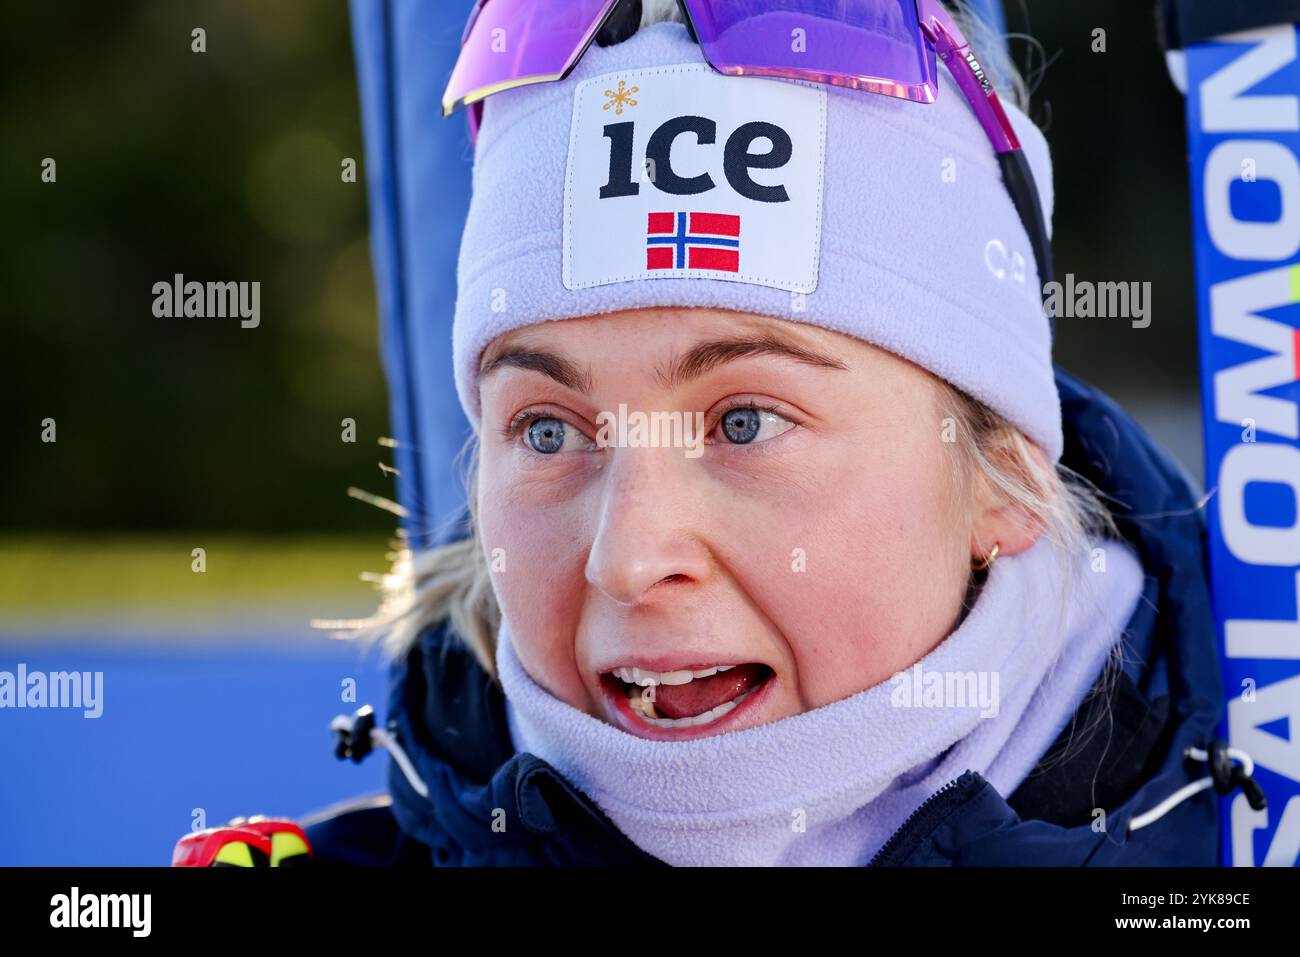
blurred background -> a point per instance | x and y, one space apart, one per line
177 435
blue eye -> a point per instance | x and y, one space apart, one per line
744 424
547 435
741 425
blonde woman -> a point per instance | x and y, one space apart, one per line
787 544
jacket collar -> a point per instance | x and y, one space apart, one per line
449 713
485 802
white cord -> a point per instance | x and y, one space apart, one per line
1169 803
1197 754
1196 787
379 738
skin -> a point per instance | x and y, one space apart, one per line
627 555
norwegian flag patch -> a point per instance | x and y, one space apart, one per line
693 241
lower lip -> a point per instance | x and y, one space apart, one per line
632 722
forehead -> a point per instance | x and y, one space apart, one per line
674 346
636 331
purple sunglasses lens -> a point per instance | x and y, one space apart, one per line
511 42
873 45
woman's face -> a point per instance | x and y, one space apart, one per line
813 539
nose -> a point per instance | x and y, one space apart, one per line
647 531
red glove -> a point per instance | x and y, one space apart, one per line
245 842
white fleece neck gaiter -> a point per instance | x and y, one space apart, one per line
830 786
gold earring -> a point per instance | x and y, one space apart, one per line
988 560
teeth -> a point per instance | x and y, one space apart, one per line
679 677
635 676
643 701
639 705
644 678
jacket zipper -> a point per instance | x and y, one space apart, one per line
937 804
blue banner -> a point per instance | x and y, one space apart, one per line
1243 122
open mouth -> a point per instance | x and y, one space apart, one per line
687 699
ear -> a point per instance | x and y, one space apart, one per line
1009 525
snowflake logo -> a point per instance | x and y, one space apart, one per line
620 98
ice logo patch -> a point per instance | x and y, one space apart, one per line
679 171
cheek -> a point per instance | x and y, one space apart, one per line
883 568
537 555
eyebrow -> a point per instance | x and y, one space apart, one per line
700 359
550 364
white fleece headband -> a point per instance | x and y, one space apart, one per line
647 179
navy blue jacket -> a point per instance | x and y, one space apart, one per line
449 717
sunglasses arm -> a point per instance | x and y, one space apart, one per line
955 52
